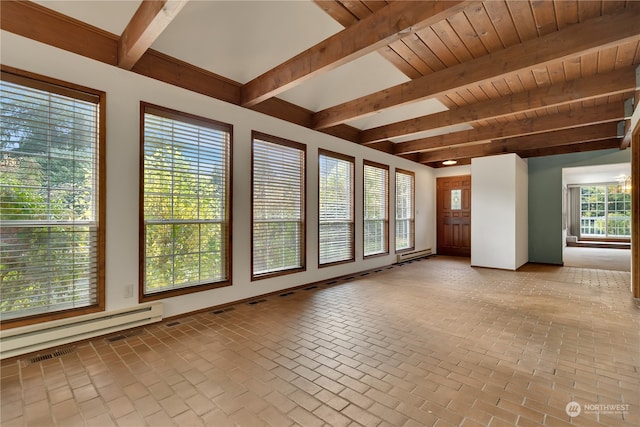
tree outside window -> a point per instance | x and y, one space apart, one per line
51 239
185 203
605 211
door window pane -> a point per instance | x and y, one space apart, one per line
456 200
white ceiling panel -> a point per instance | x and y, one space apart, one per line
434 132
361 77
240 40
396 114
111 16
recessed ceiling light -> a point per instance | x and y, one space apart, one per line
449 162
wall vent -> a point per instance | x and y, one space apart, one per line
223 310
42 357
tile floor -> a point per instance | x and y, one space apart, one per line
429 343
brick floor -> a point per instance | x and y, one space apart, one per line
428 343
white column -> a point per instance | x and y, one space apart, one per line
499 212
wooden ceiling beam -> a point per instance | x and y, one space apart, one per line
337 11
626 139
44 25
36 22
574 40
575 118
170 70
559 138
39 23
634 117
565 137
616 82
377 30
602 144
146 25
549 151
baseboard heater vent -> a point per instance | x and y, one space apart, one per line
48 356
26 339
408 256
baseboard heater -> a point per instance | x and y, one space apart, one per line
27 339
407 256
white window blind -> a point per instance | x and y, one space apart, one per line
278 206
49 215
404 210
336 216
376 197
185 201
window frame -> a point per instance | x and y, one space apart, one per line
72 90
412 218
198 121
607 217
255 135
386 169
351 160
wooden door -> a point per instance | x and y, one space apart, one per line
454 215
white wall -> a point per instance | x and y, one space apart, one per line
498 214
124 91
522 213
452 171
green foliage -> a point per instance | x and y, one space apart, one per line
281 248
46 182
605 211
20 193
184 222
336 209
375 209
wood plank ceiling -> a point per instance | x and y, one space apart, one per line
522 73
535 77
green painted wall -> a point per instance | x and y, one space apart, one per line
545 198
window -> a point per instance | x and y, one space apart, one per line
336 216
404 210
51 199
278 206
605 211
376 209
185 207
456 199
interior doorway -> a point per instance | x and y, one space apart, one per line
597 216
453 215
